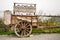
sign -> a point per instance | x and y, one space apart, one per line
21 7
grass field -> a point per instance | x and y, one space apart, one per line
35 31
45 30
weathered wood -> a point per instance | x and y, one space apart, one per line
24 7
17 18
23 29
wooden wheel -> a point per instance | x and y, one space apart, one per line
23 29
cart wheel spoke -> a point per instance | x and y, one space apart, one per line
23 29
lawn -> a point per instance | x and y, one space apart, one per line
45 30
35 31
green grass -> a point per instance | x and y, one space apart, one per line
35 31
7 33
45 30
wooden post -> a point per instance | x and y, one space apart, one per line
14 9
37 21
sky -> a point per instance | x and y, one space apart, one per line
47 7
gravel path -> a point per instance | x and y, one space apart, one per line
32 37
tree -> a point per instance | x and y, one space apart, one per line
3 27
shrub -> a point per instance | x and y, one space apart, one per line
3 27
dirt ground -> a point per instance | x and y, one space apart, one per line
32 37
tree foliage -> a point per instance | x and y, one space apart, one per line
50 22
3 27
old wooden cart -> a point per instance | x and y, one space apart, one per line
22 19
